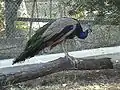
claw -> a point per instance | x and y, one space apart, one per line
73 61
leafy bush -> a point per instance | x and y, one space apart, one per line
21 25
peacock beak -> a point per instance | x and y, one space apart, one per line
90 30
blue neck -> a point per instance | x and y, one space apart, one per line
80 33
83 35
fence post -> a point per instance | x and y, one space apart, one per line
11 7
50 8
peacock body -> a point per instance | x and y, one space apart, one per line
52 34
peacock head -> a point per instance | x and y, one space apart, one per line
84 34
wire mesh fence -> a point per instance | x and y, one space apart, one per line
23 17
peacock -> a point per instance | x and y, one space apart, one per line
53 33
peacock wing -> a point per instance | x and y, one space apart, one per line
38 34
57 26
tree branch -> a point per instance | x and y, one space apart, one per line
29 72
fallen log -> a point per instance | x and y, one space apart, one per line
30 72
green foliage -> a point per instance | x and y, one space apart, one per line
77 14
21 25
106 10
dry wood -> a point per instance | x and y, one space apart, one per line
60 64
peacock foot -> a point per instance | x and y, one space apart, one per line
73 61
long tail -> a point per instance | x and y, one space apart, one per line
33 50
20 58
34 45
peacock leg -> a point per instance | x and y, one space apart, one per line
68 57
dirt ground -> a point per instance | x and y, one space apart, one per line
108 79
73 80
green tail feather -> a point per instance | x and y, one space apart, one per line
34 45
31 51
20 58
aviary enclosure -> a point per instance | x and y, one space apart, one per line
97 56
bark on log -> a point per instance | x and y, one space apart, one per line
60 64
